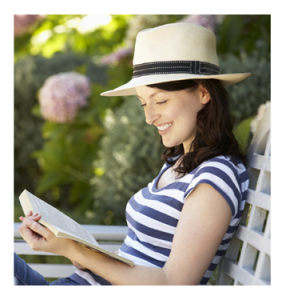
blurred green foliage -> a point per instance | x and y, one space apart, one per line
60 35
242 133
246 96
244 34
66 158
129 158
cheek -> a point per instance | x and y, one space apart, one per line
188 116
188 123
191 112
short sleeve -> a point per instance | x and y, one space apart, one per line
222 175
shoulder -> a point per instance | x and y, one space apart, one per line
228 178
222 166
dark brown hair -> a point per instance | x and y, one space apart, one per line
214 134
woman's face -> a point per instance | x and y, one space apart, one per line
173 113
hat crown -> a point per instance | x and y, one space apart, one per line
176 42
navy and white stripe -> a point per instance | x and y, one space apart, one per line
152 214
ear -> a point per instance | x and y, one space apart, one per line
204 94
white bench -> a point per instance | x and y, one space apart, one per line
247 260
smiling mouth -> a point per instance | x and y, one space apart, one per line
164 127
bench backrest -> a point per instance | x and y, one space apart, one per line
247 260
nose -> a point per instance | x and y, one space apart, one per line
151 114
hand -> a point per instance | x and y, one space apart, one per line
41 238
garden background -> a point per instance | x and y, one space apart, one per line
87 154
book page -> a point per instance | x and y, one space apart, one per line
60 221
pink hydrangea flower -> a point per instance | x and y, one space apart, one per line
22 23
62 95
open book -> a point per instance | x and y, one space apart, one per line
62 225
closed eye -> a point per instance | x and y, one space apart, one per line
162 102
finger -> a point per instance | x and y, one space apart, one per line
36 227
35 217
29 213
24 230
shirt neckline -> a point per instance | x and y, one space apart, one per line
165 168
158 178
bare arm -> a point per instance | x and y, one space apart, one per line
204 220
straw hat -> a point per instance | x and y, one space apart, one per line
174 52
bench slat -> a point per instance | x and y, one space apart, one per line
231 268
22 248
99 232
253 238
241 275
258 199
54 270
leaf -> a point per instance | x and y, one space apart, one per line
51 179
79 192
36 111
242 132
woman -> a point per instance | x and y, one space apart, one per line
181 224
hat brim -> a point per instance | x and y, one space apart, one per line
128 89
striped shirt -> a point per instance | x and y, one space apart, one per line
152 214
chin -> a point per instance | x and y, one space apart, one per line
170 144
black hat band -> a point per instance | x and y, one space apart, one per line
171 67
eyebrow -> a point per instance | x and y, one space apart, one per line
152 95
